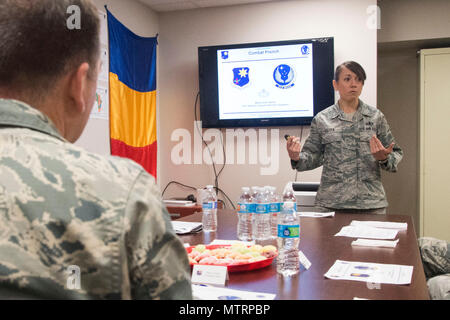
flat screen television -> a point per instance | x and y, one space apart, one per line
281 83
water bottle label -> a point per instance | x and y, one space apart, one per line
289 205
244 207
275 207
262 208
289 231
209 205
251 207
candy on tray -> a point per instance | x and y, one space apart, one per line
235 254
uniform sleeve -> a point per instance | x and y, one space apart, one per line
435 254
384 134
158 266
311 155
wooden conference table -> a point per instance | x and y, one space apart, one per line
322 248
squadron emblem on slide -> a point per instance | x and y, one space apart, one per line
241 77
284 76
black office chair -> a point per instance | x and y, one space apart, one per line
305 186
305 194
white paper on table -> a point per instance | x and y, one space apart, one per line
375 243
367 232
370 272
201 292
183 227
381 224
231 242
178 203
315 214
304 260
209 274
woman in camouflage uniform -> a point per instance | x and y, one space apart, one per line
348 139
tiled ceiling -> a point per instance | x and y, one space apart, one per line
175 5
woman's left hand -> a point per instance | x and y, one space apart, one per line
377 149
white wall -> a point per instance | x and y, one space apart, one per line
182 32
144 22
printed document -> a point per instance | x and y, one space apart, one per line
381 224
202 292
375 243
370 272
360 231
183 227
231 242
315 214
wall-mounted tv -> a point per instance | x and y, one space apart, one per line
281 83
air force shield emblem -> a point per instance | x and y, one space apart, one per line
241 77
284 76
305 50
224 55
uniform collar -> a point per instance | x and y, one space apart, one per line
363 110
15 113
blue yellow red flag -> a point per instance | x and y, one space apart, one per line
132 84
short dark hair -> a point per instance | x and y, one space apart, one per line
37 46
354 67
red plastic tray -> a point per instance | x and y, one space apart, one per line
238 267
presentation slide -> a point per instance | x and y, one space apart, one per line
265 82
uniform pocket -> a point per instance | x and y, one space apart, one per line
332 160
369 165
331 137
364 143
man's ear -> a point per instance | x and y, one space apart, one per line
77 86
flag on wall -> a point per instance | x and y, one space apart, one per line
132 83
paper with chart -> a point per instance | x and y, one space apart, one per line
101 104
100 109
370 272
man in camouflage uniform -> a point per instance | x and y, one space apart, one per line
63 209
436 264
348 145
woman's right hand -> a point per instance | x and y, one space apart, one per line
293 148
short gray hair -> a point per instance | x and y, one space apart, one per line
37 47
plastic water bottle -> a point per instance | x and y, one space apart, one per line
262 216
275 208
209 208
269 195
244 227
253 194
288 195
288 263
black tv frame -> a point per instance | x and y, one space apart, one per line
323 92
